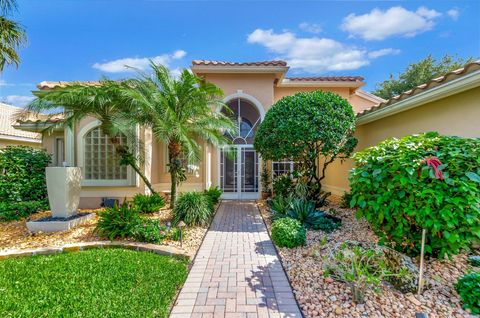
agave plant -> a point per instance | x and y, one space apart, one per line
279 206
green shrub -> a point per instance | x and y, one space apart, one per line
357 266
304 127
468 287
283 185
304 211
399 195
193 208
118 222
474 260
10 211
214 194
174 234
287 232
346 198
279 205
22 174
148 203
149 231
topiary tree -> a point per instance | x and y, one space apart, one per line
424 181
307 127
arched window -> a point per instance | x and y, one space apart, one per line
100 161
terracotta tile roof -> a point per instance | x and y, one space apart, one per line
224 63
442 80
325 79
51 85
7 120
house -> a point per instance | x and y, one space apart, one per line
448 104
11 136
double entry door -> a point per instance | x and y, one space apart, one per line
239 172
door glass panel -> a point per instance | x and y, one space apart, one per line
249 171
228 171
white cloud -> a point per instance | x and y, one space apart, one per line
17 100
454 14
314 54
141 63
383 52
396 21
310 27
3 83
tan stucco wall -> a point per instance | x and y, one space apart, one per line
457 115
6 142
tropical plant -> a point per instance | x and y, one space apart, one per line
149 231
22 174
10 211
279 205
266 179
148 203
468 287
305 212
305 127
12 35
474 260
102 102
193 208
398 188
418 73
118 222
283 185
359 267
214 193
287 232
181 112
346 198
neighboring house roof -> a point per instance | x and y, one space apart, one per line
225 63
8 131
451 83
325 79
45 85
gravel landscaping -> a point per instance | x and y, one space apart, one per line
15 235
325 297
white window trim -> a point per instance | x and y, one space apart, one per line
56 149
188 172
291 163
131 178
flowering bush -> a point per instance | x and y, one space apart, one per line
424 181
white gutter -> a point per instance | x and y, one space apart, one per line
441 91
17 138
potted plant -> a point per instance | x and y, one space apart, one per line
266 181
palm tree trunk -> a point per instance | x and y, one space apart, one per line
128 158
173 189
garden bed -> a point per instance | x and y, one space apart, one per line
15 235
114 282
325 297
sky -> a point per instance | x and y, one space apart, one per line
86 39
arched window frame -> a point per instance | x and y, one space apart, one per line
131 179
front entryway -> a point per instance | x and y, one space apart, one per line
239 163
239 175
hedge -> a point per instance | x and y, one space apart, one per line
424 181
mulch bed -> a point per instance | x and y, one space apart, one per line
325 297
15 235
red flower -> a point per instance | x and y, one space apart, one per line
434 162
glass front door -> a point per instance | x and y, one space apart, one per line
239 172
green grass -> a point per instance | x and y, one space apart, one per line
94 283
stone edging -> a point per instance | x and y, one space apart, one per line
76 247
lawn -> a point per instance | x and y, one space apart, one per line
94 283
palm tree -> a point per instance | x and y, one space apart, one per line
101 101
181 112
12 35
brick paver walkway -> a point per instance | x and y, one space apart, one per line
236 272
